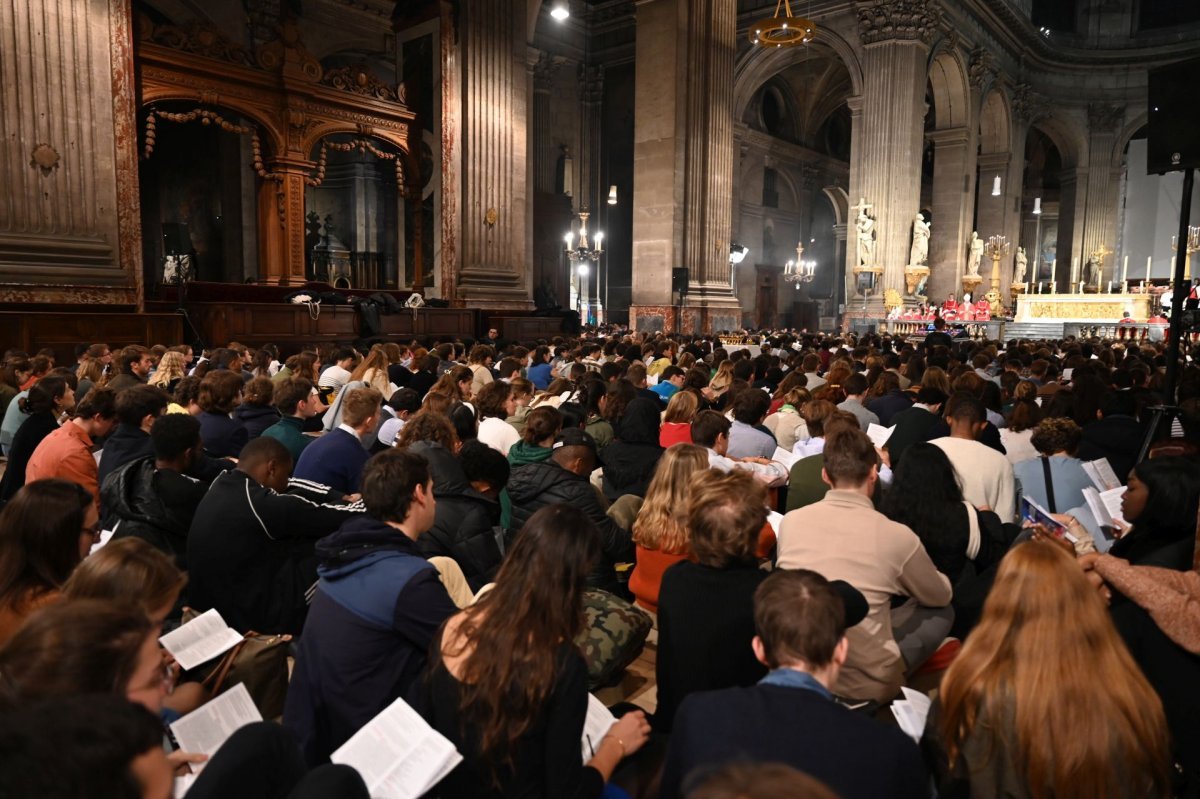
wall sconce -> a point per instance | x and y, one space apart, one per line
612 195
996 186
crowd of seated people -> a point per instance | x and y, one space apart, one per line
491 530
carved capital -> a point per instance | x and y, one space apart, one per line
544 69
591 83
1104 118
982 68
811 176
1028 104
898 20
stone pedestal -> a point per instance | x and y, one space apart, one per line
913 275
970 283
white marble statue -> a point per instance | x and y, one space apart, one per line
975 254
919 254
865 227
1022 265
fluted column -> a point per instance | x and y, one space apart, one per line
544 66
69 221
1073 186
683 156
896 36
495 183
591 94
1100 208
953 180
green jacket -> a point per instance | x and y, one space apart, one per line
289 431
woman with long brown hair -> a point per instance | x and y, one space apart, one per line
659 534
508 686
1018 717
1017 434
373 370
455 384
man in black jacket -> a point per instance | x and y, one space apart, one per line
250 549
790 716
153 498
464 527
916 424
563 480
1117 435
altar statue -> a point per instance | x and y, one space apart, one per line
919 253
865 226
1091 273
975 254
1022 265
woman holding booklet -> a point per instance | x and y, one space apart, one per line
508 687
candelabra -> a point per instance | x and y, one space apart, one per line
582 254
1193 245
996 247
799 271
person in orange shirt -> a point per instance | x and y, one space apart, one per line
67 452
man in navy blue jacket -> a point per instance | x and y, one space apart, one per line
376 610
790 716
337 458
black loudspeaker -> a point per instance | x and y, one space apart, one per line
176 240
1172 142
679 279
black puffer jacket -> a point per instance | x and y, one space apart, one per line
629 461
465 521
535 485
152 504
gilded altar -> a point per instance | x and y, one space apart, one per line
1082 307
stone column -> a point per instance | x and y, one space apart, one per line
591 95
1100 205
1073 185
683 159
953 180
70 229
896 36
544 67
495 87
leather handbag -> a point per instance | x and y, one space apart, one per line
260 662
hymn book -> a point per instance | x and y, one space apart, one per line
398 755
879 434
1101 474
200 640
207 728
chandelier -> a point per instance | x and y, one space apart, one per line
782 30
581 253
799 271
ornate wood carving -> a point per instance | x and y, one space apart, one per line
293 105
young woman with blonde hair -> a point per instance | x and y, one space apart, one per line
786 423
677 422
1018 717
171 369
373 370
724 376
659 535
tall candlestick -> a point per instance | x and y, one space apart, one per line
1110 287
1149 260
1125 269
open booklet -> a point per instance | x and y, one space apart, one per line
1106 509
595 726
911 712
398 754
879 434
207 728
788 459
201 639
1101 474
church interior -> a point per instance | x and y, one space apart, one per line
217 157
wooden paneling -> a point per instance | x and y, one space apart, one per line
527 328
31 331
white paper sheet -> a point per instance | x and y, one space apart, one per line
595 726
788 459
911 712
200 640
879 434
205 729
1112 504
398 754
775 519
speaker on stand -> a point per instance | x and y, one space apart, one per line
1172 146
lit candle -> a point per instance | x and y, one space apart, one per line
1149 260
1125 269
1075 270
1110 287
996 186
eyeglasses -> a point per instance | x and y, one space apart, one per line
93 531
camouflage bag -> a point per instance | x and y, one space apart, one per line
613 636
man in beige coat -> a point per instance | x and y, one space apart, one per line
843 537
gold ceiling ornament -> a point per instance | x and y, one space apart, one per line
782 30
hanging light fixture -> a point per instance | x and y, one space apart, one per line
560 11
612 195
783 29
996 186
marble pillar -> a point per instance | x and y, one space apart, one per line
953 188
70 228
896 37
1100 207
683 162
544 67
494 181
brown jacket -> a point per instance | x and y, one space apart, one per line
843 537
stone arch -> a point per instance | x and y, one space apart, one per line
951 92
1136 123
1066 135
840 201
995 123
757 65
